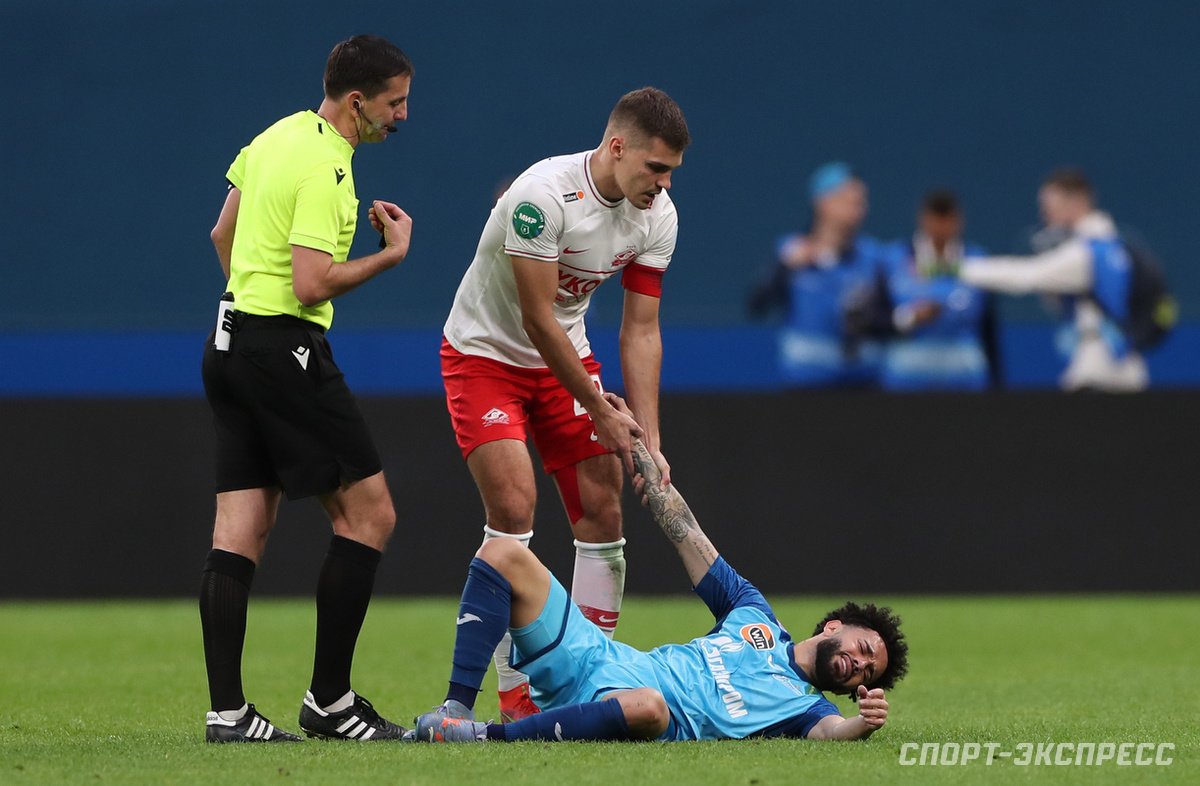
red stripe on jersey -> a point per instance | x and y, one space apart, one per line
643 279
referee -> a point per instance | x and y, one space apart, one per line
285 420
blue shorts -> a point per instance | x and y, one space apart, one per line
570 661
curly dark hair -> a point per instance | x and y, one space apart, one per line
886 623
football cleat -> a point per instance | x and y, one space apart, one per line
450 708
515 703
253 727
437 727
359 722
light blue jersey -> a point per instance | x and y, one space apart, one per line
738 681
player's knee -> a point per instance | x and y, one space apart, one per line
378 520
241 536
646 713
601 522
371 524
507 555
384 520
511 512
608 519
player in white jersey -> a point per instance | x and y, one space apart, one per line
516 357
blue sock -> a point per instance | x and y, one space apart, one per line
596 720
483 617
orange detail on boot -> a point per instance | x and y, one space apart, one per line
515 703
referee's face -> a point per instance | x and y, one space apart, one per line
382 112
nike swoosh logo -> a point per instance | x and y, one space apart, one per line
301 355
558 732
340 174
605 619
467 618
569 250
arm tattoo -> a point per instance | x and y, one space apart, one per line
668 507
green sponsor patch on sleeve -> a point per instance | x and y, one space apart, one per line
528 221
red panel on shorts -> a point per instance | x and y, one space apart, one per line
489 400
568 488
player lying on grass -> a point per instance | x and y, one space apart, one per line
746 678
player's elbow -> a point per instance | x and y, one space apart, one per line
308 293
221 237
536 327
306 298
824 729
638 336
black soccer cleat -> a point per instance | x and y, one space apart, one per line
253 727
359 722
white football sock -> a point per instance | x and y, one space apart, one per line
507 677
599 582
234 715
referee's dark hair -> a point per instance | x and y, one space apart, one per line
366 63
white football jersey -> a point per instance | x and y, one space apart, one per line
553 212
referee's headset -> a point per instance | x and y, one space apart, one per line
377 125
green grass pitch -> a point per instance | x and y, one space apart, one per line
113 692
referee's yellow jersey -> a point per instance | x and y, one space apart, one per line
297 189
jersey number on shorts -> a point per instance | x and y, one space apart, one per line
579 410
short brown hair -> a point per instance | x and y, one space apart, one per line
653 113
1072 181
366 63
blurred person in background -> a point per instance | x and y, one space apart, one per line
828 280
1115 306
945 329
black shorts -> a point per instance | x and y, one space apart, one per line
283 414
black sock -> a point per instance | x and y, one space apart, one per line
224 595
463 694
343 592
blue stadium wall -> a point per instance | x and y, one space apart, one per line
128 112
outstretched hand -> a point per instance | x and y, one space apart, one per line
616 430
872 706
651 456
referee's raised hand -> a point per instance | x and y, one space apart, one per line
394 225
